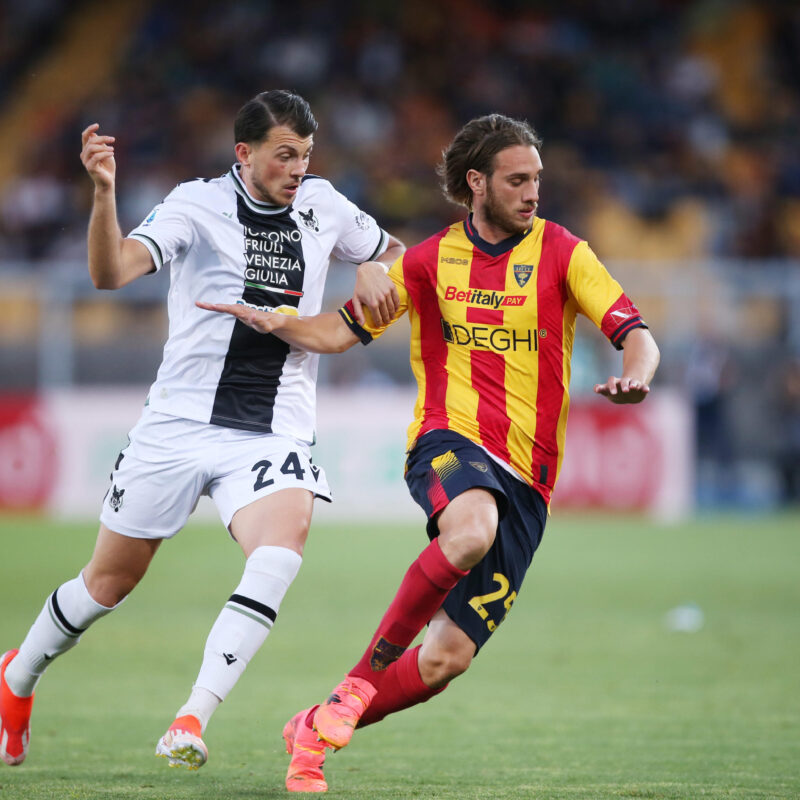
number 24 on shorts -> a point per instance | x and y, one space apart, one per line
478 601
291 466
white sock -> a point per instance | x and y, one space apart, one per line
67 613
201 704
247 618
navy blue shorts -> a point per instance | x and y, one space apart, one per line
442 465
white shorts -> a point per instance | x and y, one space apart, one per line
170 462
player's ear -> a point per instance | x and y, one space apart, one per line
243 151
476 182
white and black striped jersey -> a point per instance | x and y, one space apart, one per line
224 246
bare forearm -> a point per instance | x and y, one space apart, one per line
640 359
392 253
324 333
105 242
640 356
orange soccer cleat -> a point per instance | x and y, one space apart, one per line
337 717
182 743
15 718
308 755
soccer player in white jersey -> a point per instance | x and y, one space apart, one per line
231 412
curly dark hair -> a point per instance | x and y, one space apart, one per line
475 146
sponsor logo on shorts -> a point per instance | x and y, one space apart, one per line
479 465
116 498
229 658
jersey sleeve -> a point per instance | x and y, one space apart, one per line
370 330
166 231
360 237
600 297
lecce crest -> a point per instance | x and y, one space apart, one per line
522 273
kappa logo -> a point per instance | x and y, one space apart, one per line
309 219
522 273
116 498
362 220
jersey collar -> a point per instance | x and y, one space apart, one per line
254 205
489 248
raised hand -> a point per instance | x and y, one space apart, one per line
97 155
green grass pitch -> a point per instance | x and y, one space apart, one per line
583 692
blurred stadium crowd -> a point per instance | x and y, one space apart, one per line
669 127
670 135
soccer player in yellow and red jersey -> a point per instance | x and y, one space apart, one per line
492 302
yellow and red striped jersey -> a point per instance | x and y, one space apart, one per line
492 328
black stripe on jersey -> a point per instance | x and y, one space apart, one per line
377 251
155 246
618 337
274 267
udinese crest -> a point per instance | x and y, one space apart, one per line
309 219
116 497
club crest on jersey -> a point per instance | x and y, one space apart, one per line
523 272
116 498
309 219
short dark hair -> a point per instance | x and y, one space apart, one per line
268 109
475 146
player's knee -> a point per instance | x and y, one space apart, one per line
468 544
467 528
438 667
108 589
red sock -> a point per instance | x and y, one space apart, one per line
421 592
401 687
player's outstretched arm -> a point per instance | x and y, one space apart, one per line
374 289
640 357
324 333
113 261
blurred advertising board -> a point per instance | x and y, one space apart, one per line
57 451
